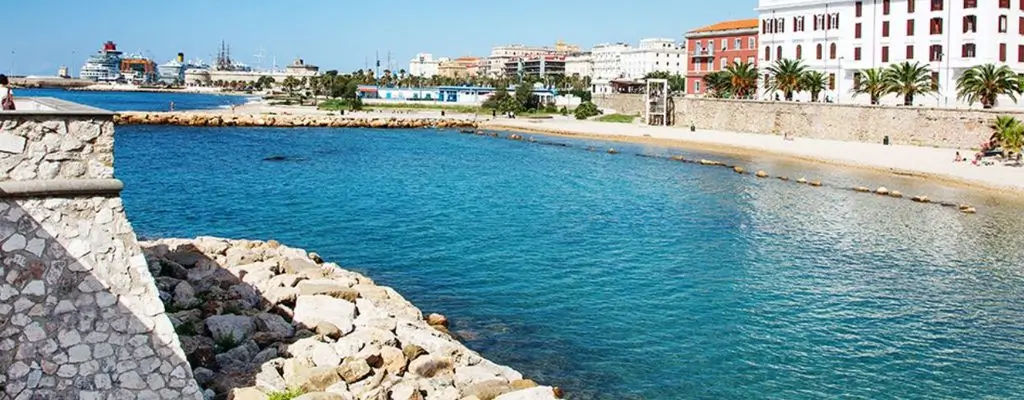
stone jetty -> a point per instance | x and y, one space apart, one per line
285 120
259 319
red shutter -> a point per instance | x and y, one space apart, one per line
885 28
856 30
885 53
856 53
1002 52
910 52
859 7
910 27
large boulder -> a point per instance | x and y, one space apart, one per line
535 393
315 379
236 327
273 323
311 310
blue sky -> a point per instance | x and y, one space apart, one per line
335 34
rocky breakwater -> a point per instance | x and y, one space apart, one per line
259 320
284 120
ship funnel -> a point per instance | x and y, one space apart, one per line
181 57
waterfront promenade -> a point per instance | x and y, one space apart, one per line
925 162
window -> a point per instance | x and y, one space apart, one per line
937 5
738 44
767 53
736 60
858 8
751 43
778 53
935 52
1020 25
885 7
818 56
1002 52
885 53
711 46
832 81
936 26
970 23
764 27
910 6
1020 53
1002 24
832 51
910 27
833 21
968 50
725 45
799 52
856 53
856 31
885 28
910 52
970 3
696 86
1004 4
782 25
724 63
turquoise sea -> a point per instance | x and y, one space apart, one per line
624 277
138 101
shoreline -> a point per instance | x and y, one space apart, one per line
732 143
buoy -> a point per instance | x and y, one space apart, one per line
801 180
815 183
613 151
896 194
882 190
738 169
783 178
920 199
762 174
861 189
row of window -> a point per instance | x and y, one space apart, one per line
800 52
822 22
702 65
967 50
970 24
699 47
937 5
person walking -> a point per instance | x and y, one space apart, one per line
6 95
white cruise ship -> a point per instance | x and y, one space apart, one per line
104 66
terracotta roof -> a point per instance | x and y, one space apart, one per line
729 25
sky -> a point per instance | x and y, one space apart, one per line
334 34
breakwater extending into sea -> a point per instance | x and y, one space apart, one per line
284 120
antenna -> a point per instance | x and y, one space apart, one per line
259 58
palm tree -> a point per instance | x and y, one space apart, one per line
984 84
872 84
717 84
814 82
908 80
742 79
1009 133
786 76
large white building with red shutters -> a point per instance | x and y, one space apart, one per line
843 37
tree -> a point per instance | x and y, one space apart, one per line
290 83
785 77
1009 132
985 83
717 84
814 82
872 84
742 79
908 80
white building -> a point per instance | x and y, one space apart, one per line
607 65
652 55
581 64
843 37
425 65
503 54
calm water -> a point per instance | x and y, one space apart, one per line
137 101
622 277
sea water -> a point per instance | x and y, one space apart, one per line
624 277
138 101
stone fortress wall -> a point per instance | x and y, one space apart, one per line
917 126
80 316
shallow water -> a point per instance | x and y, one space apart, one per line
620 277
137 101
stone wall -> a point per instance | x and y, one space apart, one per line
80 316
919 126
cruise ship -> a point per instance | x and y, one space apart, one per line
173 72
104 66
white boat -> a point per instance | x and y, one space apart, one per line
104 66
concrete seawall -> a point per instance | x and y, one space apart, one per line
916 126
284 120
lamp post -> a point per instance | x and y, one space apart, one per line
935 82
839 82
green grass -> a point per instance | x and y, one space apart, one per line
226 341
285 395
618 118
336 104
425 106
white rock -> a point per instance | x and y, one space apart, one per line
534 393
15 242
34 332
310 310
131 380
69 338
79 353
34 288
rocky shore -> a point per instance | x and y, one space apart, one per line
284 120
259 320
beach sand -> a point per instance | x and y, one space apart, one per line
924 162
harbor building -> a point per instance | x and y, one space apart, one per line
536 66
581 64
654 55
714 47
843 38
424 65
607 62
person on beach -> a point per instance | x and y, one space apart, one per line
172 106
958 158
6 95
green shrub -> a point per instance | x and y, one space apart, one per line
587 110
285 395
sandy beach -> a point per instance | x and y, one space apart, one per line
924 162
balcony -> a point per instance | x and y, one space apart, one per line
703 53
